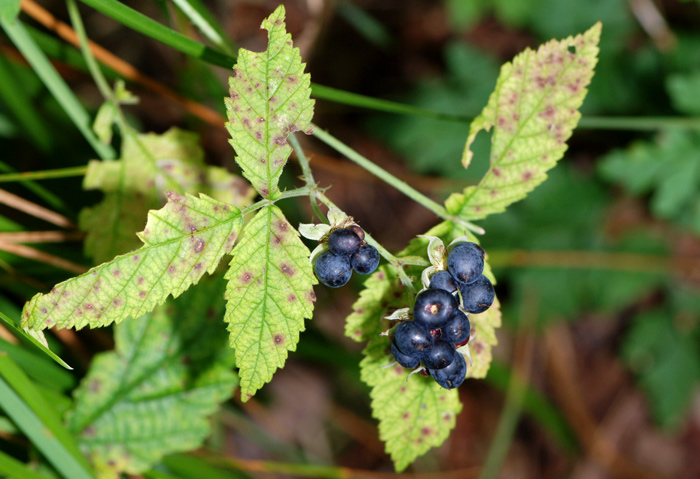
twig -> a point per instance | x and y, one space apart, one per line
562 372
33 209
35 254
125 69
41 236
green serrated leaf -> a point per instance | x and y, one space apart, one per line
532 111
135 184
270 98
270 292
182 241
414 414
152 395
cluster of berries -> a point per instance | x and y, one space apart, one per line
347 251
439 326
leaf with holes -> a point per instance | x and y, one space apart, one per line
270 292
533 112
269 99
151 396
182 241
150 163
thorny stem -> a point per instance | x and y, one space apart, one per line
390 179
393 260
307 174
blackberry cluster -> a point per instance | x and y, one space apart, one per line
439 326
347 251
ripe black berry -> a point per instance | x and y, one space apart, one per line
453 375
457 328
477 296
439 356
412 339
434 307
466 262
404 360
443 280
332 270
366 260
344 242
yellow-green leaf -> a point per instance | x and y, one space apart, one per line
269 293
182 241
269 99
532 111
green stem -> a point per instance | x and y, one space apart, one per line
393 260
44 174
53 200
649 123
307 174
92 65
390 179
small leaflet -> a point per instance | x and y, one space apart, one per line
532 111
269 99
270 293
182 241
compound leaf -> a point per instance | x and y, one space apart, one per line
182 241
532 111
270 292
414 413
151 396
270 98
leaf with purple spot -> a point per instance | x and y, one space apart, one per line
182 241
532 111
269 99
269 293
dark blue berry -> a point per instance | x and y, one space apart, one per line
366 260
439 356
443 280
453 375
477 296
412 339
434 307
466 262
332 270
404 360
343 242
457 328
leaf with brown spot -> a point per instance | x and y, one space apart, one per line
269 99
532 111
125 287
269 294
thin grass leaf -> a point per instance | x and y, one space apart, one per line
533 112
206 22
269 99
56 85
270 292
25 406
12 468
15 98
35 339
149 27
151 396
182 241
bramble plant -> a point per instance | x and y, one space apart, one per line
439 289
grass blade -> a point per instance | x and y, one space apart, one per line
25 406
53 81
11 467
11 324
149 27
